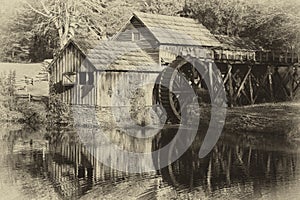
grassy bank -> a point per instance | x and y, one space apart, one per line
268 120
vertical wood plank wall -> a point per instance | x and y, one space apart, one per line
111 88
72 60
147 41
118 88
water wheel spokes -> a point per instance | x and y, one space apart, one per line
178 85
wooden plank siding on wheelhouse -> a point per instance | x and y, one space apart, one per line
101 73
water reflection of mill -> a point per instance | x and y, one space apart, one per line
245 164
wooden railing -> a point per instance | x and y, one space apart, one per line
229 55
277 56
233 55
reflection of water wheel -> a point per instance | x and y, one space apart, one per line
173 93
187 172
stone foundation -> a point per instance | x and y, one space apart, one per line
111 117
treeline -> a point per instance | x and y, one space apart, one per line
39 28
269 23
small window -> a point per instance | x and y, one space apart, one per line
90 78
86 78
82 78
136 36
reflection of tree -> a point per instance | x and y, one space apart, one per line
231 165
13 136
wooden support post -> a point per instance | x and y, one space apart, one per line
241 88
276 83
291 82
159 55
251 88
295 81
210 74
270 81
231 91
281 85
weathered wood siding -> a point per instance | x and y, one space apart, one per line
85 94
123 89
109 88
122 97
147 42
72 60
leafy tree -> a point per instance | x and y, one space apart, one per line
221 17
269 24
166 7
41 27
23 40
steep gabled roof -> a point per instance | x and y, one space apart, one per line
116 55
177 30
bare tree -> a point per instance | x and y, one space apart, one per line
68 16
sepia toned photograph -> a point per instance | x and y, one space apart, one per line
149 99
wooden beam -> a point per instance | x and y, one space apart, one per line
242 91
251 89
290 75
242 84
270 81
210 74
262 86
228 73
231 90
282 84
296 82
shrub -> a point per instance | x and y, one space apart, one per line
33 113
58 113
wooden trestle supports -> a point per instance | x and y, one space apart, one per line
245 82
251 84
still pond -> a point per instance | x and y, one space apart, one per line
241 166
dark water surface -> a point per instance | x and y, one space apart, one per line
241 166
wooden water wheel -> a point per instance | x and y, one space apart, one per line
178 85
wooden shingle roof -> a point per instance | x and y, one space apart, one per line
177 30
116 55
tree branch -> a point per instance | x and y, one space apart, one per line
35 10
45 8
